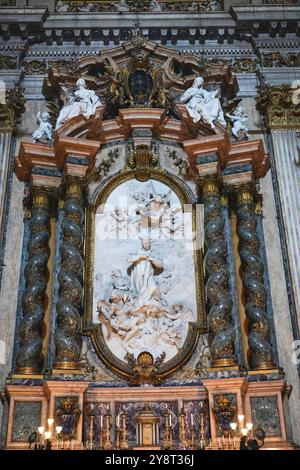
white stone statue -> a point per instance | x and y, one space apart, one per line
143 267
83 101
44 130
154 6
122 6
238 118
62 6
214 5
203 104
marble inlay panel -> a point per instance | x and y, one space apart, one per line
265 415
26 419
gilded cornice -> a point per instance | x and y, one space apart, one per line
278 105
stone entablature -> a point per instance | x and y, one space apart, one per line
217 25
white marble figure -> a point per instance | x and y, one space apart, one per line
62 6
296 93
238 118
44 130
143 267
214 5
83 101
203 104
122 6
154 6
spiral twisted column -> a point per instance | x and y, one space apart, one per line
217 277
29 357
261 355
68 336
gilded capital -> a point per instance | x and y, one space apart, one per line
40 197
210 185
280 106
74 186
244 194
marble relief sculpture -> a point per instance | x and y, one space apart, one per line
82 101
140 308
238 119
203 104
44 130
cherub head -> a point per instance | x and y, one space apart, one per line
44 116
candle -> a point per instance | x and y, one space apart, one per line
118 421
170 420
107 408
101 421
192 419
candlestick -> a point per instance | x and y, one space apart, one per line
107 444
124 443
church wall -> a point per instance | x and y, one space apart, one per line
277 263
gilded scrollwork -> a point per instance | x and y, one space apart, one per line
180 163
12 109
68 335
29 357
217 277
279 107
8 62
261 353
105 165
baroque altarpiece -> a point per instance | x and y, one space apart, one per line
144 312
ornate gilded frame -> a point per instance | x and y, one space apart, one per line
121 368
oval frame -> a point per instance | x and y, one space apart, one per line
121 368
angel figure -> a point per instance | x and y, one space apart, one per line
203 104
238 118
82 101
154 6
122 6
157 205
44 130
